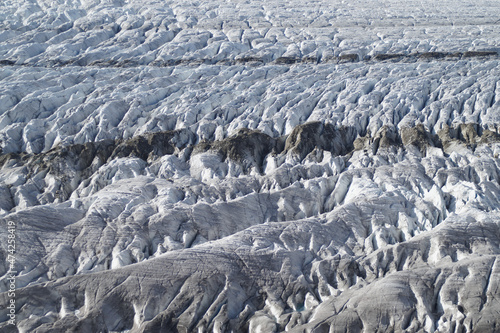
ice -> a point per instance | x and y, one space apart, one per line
226 166
183 33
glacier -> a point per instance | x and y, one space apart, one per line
250 166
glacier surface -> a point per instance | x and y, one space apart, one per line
227 166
